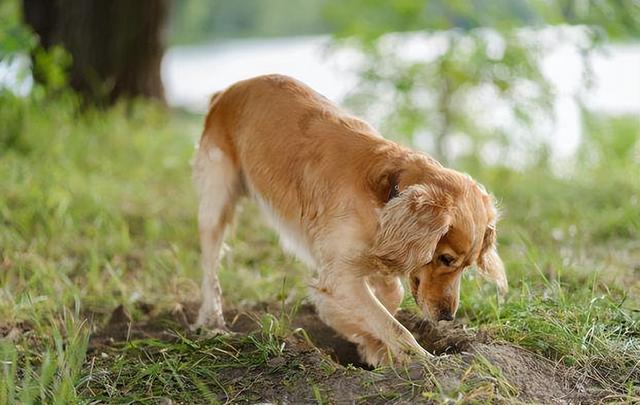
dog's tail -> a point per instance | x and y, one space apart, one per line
208 118
214 97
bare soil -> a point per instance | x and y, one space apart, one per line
467 365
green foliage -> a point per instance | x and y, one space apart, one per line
50 67
475 58
17 44
369 19
610 142
15 38
443 95
618 19
12 115
203 20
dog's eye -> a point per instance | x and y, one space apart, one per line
446 260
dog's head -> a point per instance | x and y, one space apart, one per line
431 231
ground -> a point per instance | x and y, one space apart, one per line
305 361
99 277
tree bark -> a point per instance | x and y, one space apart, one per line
116 45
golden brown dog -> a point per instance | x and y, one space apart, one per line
361 210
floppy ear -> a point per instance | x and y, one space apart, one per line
410 227
489 263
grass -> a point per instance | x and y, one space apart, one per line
151 370
97 210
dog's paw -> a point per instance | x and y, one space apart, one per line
411 357
377 354
210 333
374 353
210 325
420 354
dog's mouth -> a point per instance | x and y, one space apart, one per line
428 315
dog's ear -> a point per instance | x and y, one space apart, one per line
386 187
410 225
489 263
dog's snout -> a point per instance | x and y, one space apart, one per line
445 315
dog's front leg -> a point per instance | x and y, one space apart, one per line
347 304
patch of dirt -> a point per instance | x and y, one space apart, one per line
121 328
12 332
469 365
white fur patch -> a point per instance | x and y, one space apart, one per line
212 180
292 240
215 154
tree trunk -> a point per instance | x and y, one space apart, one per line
116 45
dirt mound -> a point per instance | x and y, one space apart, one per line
470 365
441 338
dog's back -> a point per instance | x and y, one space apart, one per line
298 155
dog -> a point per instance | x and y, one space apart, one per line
361 210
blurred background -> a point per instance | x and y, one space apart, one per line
437 68
509 82
102 101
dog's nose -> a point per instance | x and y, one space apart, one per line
445 315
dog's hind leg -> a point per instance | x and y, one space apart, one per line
218 183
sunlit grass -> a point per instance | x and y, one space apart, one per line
97 209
